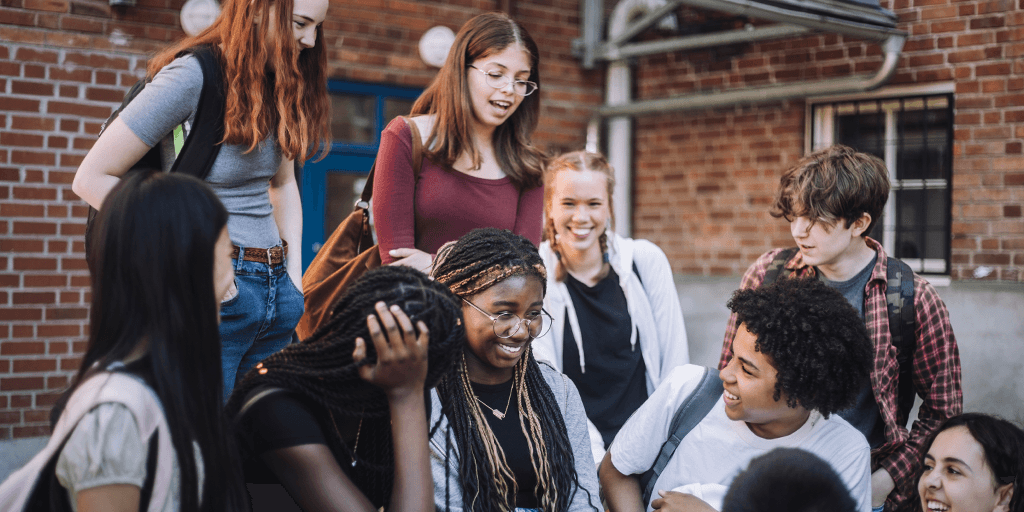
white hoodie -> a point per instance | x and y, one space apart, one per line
653 309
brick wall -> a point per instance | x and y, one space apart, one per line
719 167
65 64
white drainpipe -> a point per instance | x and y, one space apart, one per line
618 91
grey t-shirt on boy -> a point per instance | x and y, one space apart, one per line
241 180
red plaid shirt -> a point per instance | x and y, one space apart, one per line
936 367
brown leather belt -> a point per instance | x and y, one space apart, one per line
271 256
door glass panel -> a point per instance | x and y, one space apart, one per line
394 107
352 118
343 189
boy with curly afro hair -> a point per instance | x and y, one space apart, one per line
800 354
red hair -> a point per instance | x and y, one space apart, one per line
261 69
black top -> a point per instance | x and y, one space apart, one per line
510 436
615 382
864 414
284 419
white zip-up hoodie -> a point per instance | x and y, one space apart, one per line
653 309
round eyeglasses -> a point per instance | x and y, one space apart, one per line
499 80
507 325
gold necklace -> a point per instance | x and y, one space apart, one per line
358 431
498 414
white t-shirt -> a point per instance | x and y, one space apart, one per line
717 449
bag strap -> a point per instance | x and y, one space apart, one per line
256 397
899 302
691 412
196 151
777 268
416 159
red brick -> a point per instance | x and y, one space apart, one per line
66 313
31 88
21 105
35 263
34 365
81 24
35 228
71 75
21 139
31 123
20 383
77 109
25 54
15 348
22 210
21 298
32 158
31 431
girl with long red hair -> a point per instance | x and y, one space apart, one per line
272 57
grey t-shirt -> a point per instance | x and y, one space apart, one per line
240 179
864 415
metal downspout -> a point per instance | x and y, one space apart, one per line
892 46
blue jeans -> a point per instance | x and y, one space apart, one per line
259 321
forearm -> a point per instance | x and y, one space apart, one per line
116 151
620 492
287 205
413 489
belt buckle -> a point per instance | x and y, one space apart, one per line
270 260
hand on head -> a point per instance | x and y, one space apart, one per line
401 365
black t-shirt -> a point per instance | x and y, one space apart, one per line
510 436
284 419
615 382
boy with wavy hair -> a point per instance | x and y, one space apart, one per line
832 198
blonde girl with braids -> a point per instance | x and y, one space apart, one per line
276 114
507 433
339 422
618 327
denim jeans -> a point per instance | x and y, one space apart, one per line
259 321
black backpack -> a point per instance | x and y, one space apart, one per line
899 301
196 144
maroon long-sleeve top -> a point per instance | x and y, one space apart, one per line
442 204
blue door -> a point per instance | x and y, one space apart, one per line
331 187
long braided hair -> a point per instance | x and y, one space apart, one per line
477 261
577 161
321 368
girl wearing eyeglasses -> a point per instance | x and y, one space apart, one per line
507 432
480 169
618 327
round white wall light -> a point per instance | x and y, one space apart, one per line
434 45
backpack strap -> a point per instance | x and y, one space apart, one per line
899 302
777 268
196 150
416 159
691 412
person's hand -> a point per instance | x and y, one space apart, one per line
401 366
414 258
881 485
671 501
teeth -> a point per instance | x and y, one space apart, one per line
511 350
730 396
935 505
581 232
501 104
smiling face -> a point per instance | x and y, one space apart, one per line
580 211
490 359
749 383
957 478
492 107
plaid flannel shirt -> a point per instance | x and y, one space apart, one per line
935 371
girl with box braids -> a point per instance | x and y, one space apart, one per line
544 463
357 398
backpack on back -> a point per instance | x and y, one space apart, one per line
196 144
899 302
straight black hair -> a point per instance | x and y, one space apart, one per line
152 261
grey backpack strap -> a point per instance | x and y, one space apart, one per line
688 415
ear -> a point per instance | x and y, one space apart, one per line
1003 496
860 225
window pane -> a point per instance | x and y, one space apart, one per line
923 224
924 144
864 131
352 117
343 190
394 107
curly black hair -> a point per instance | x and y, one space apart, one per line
815 339
788 479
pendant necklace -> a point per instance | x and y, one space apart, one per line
498 414
358 431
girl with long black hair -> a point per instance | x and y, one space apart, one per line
143 422
507 433
339 420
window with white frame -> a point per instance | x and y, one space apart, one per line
914 136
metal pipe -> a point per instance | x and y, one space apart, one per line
638 26
892 47
609 52
821 22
